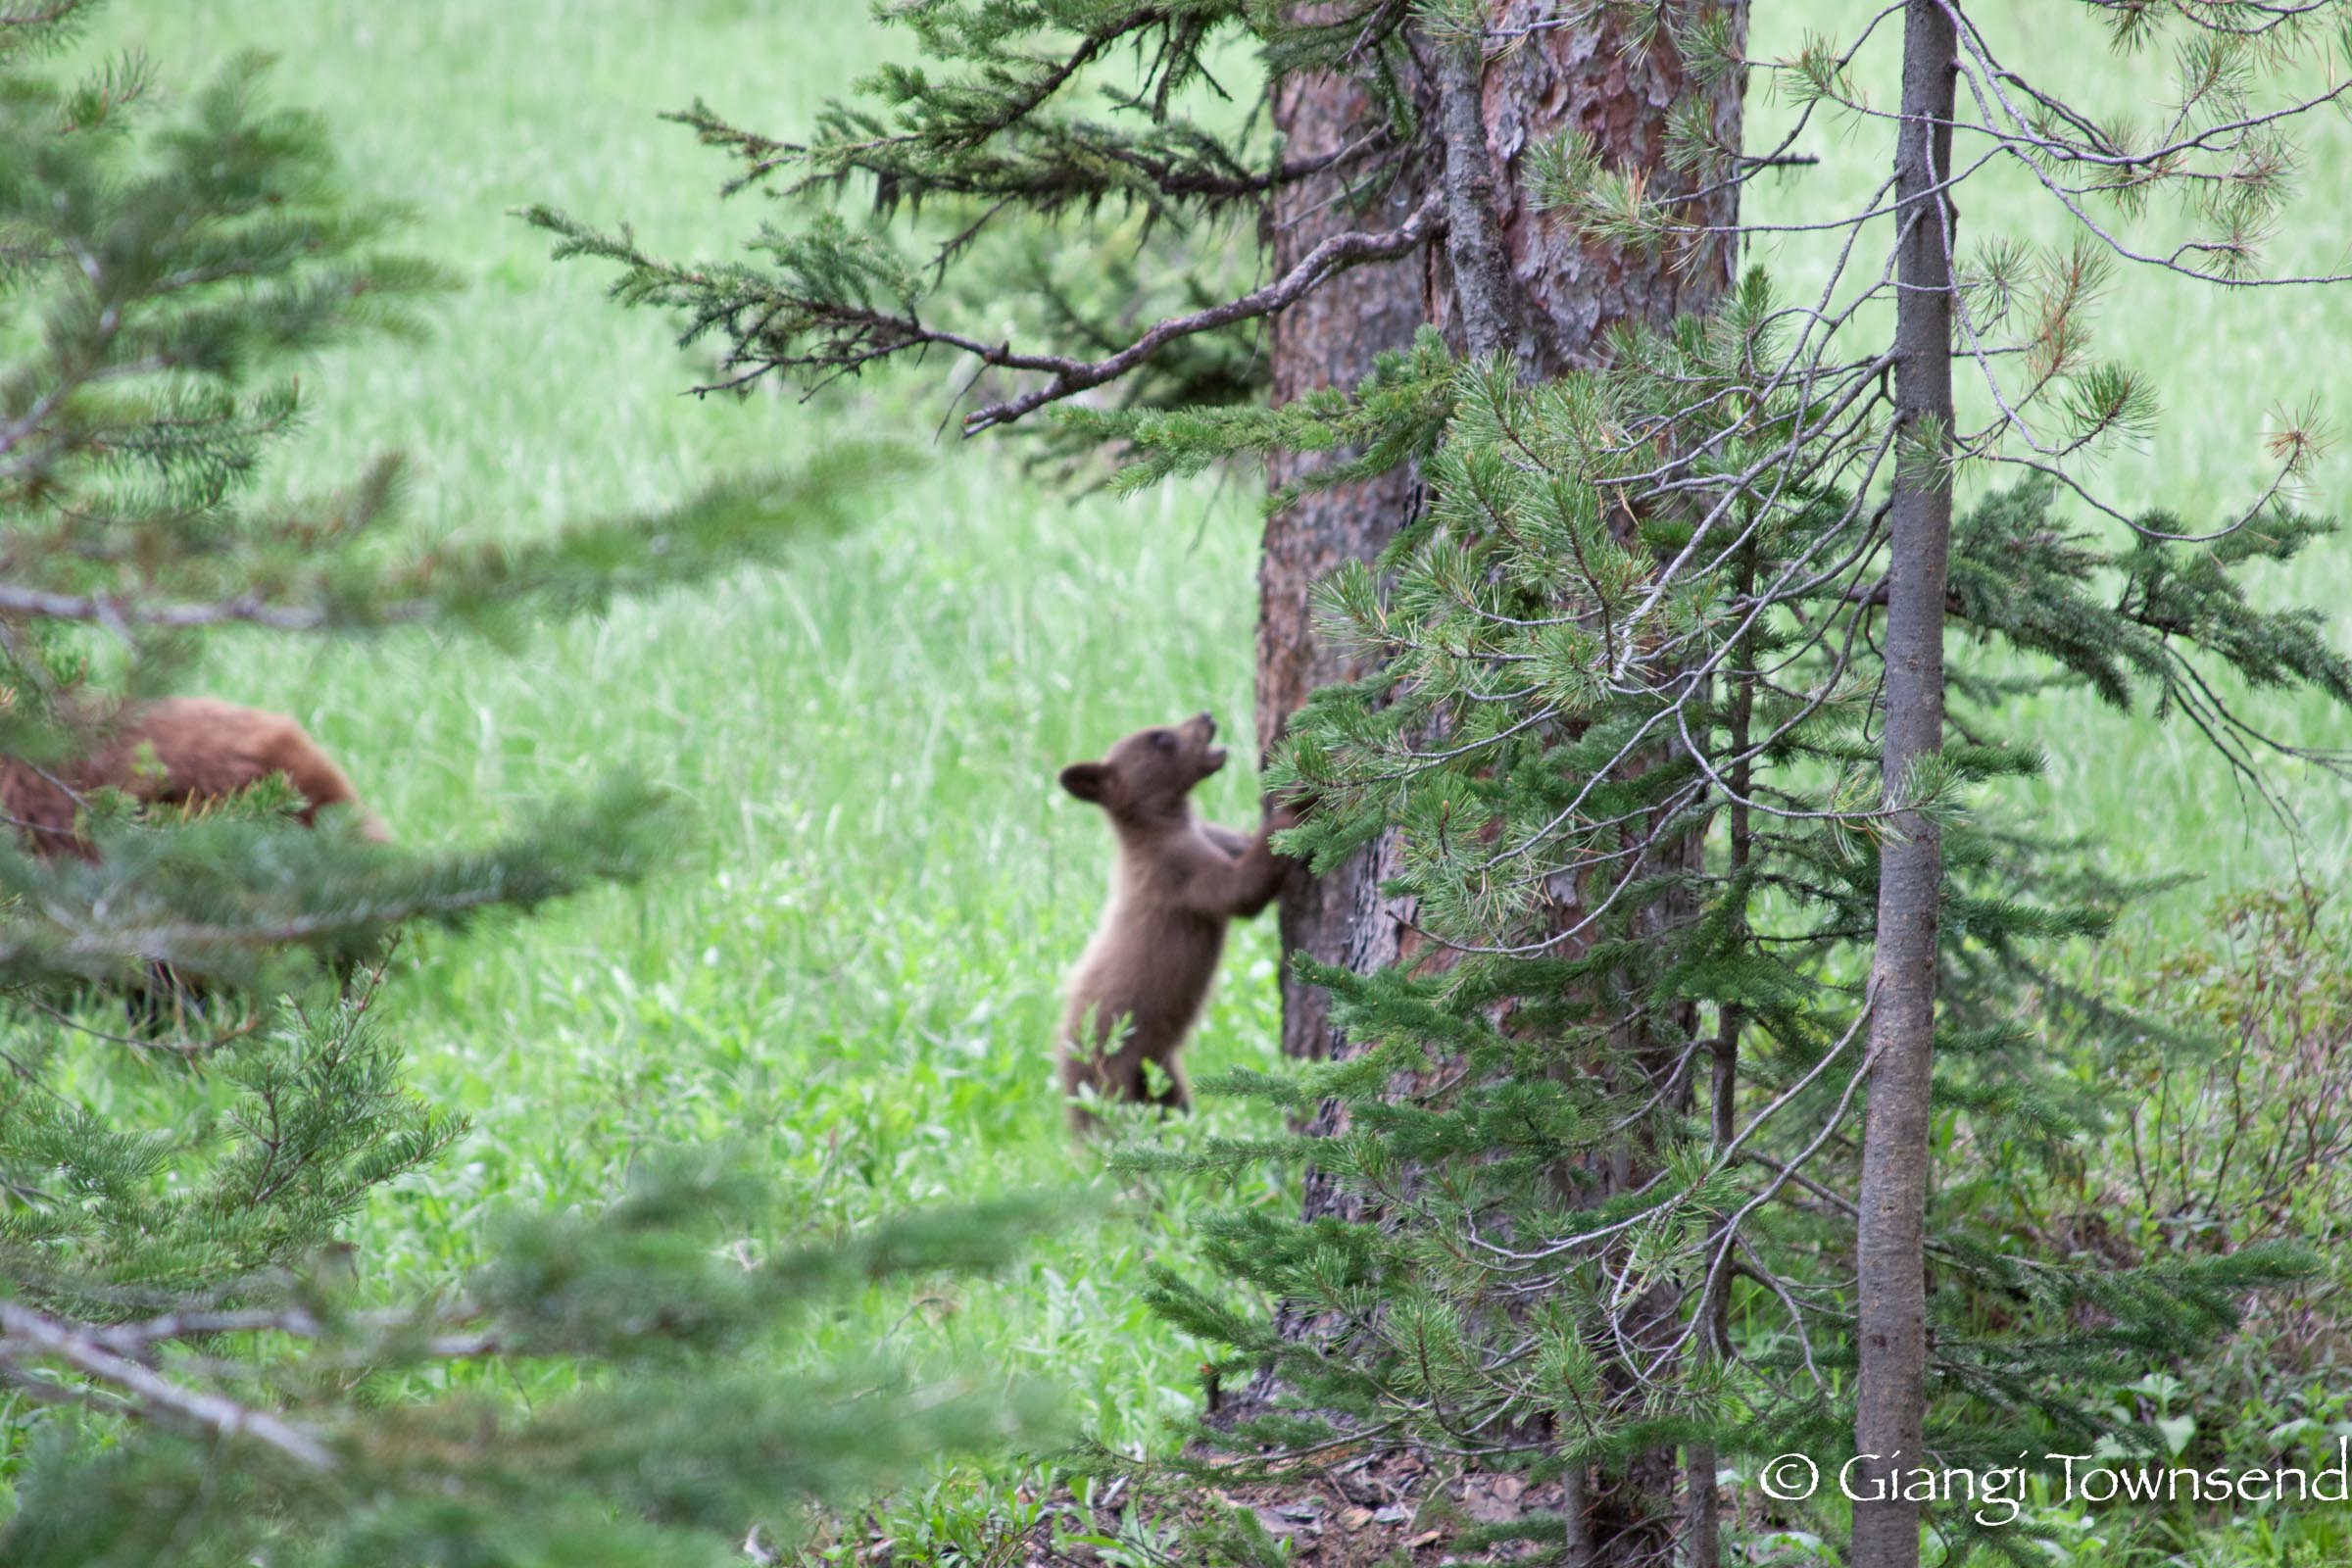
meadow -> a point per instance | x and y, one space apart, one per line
851 971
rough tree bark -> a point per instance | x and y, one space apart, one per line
1330 338
1890 1401
1502 279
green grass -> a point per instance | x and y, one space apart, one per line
851 970
854 967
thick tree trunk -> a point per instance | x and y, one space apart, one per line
1565 297
1502 280
1890 1401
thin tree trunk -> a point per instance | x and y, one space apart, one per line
1703 1538
1502 280
1890 1402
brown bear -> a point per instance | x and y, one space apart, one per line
1175 883
202 750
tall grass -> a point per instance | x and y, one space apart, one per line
851 969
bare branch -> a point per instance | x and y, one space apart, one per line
1071 377
29 1335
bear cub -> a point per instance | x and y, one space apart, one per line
1175 883
203 749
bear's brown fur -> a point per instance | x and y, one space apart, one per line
203 748
1175 883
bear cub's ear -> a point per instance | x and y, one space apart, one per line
1089 781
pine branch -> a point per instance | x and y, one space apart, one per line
579 567
771 324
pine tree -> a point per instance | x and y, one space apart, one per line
189 1370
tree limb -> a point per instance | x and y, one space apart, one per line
1070 376
1486 298
25 1333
